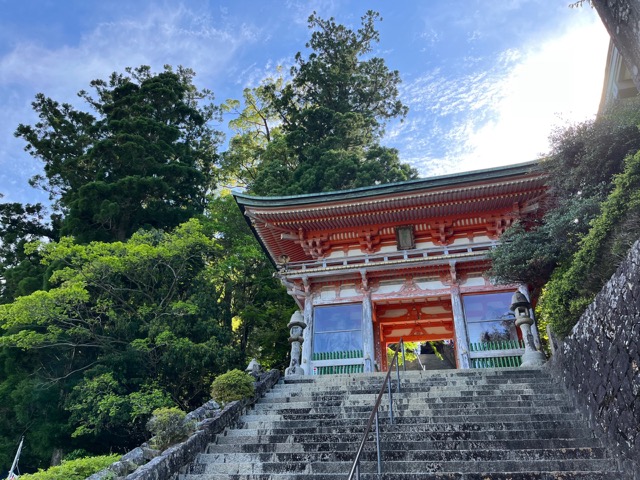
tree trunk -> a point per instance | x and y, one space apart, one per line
622 20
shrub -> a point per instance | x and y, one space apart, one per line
168 425
573 287
77 469
233 385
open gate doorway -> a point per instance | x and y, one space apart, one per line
426 324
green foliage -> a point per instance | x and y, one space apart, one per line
21 273
233 385
409 353
76 454
573 287
331 117
252 301
585 156
101 403
142 157
77 469
583 159
168 426
529 253
258 134
124 328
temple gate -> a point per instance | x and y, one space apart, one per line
372 265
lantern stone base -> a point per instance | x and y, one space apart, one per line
532 358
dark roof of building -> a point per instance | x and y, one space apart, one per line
449 180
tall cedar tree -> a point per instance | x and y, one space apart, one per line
333 114
21 273
142 158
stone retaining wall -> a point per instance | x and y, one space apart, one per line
599 362
153 465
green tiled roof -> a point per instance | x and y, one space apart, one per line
390 188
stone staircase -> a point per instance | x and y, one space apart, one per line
503 424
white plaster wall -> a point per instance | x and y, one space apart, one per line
474 282
348 291
481 239
328 293
429 284
420 245
389 287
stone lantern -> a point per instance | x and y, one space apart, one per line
520 307
254 369
296 326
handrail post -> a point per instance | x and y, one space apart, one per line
390 403
355 466
404 363
378 449
398 377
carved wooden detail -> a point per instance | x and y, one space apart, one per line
441 232
497 224
315 246
369 240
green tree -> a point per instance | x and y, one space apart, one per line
257 133
21 273
583 160
126 327
585 156
142 156
530 252
574 285
252 302
332 116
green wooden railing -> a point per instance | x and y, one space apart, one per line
338 369
497 361
498 345
338 355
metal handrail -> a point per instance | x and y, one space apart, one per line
355 468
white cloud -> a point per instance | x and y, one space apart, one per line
175 35
559 81
504 115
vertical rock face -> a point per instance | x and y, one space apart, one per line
600 362
622 19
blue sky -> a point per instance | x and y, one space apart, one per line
485 80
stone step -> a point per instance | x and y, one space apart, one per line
478 416
421 377
405 455
502 424
576 475
516 444
342 391
409 408
350 384
413 425
323 467
417 400
412 374
248 436
519 372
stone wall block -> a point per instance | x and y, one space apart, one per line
599 362
168 464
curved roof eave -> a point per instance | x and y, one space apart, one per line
389 188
